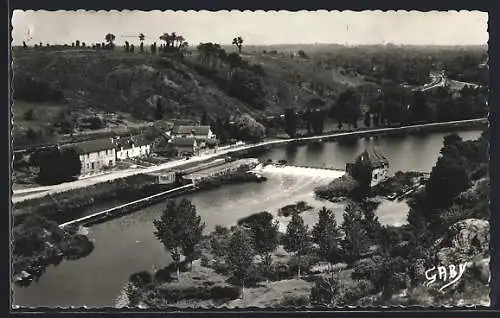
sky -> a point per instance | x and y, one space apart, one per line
256 28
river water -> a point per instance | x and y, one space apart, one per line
126 245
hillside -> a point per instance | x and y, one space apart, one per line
55 85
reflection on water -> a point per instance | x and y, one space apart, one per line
127 245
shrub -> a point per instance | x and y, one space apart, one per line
306 262
355 290
344 186
141 278
175 294
163 275
295 301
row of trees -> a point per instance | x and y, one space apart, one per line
180 230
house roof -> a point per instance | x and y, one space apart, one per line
93 145
186 142
372 157
196 130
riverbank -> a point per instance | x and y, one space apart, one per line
245 150
126 245
39 243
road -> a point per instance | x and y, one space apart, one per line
21 195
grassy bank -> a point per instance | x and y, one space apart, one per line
63 206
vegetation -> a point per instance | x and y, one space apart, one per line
179 229
362 83
38 243
297 238
57 165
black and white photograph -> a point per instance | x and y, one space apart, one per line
249 159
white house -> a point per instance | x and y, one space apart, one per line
131 147
96 155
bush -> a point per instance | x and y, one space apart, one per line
163 275
141 279
295 301
79 246
218 292
306 262
344 186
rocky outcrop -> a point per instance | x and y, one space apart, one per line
465 241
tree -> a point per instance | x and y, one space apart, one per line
127 46
141 38
265 235
297 239
159 110
291 122
58 165
241 254
205 120
169 231
238 41
367 119
110 38
354 243
347 108
179 230
132 48
448 178
326 290
193 230
326 234
77 43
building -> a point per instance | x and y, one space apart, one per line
167 177
185 146
96 155
377 166
131 147
200 133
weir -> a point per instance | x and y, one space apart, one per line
304 171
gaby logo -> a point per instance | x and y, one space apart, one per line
447 274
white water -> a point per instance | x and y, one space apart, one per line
300 171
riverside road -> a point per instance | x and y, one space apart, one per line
37 192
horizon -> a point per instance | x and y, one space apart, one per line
365 28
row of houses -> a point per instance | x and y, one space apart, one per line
99 154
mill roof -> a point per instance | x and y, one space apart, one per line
373 158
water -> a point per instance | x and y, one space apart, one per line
127 245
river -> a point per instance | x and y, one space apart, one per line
126 245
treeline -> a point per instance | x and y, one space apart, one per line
56 165
410 65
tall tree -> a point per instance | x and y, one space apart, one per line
169 231
241 254
347 108
127 46
297 238
367 119
110 38
159 110
265 235
355 242
179 229
291 122
193 230
326 234
141 38
238 41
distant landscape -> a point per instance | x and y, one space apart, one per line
62 91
